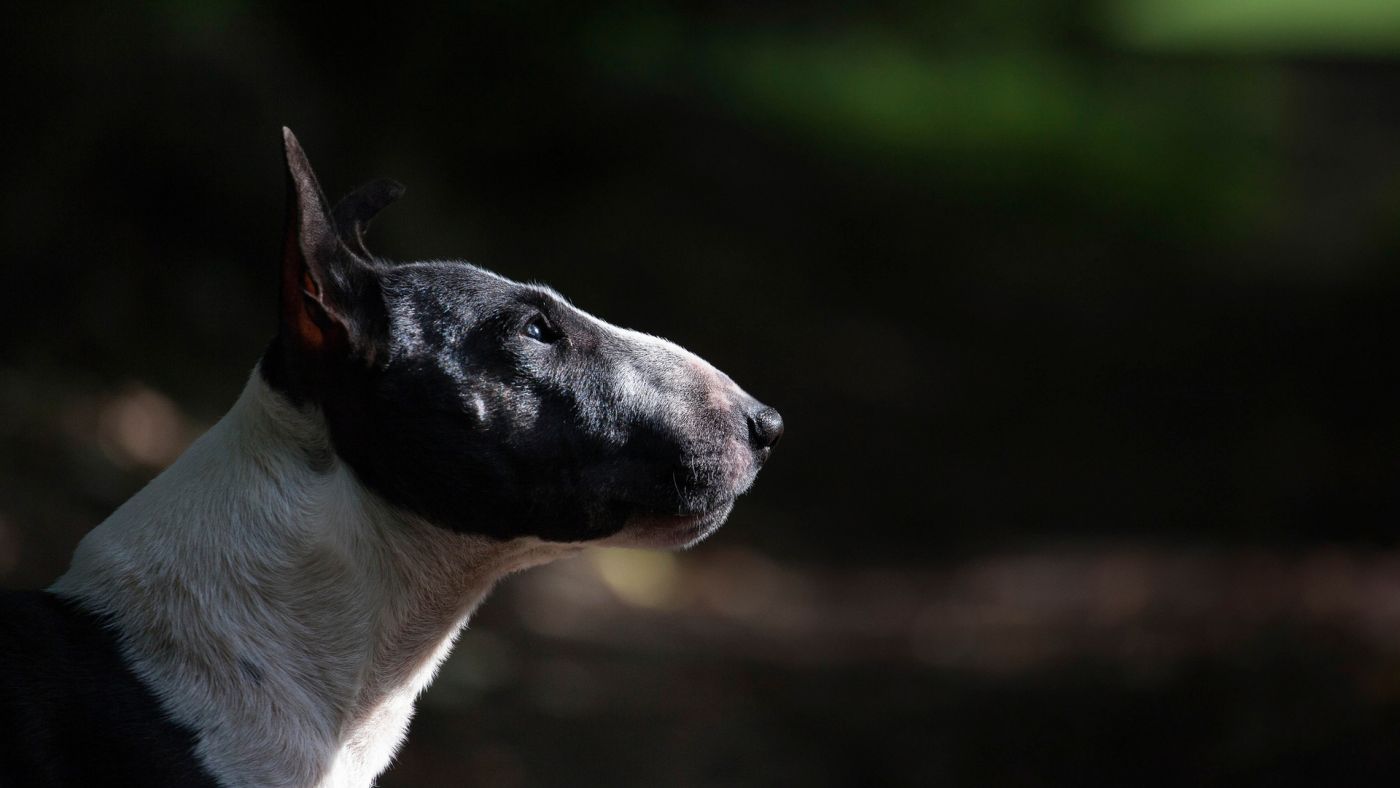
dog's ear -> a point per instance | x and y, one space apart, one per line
357 209
331 302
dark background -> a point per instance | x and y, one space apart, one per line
1082 318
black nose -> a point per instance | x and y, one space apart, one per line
765 427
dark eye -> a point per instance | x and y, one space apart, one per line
540 330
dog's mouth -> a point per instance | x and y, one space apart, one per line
679 505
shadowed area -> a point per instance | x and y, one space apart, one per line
1080 318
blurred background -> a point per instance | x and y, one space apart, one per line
1082 316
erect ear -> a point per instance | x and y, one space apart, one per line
330 298
357 209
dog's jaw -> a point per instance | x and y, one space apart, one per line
261 592
665 531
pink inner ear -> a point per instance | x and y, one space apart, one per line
308 284
301 294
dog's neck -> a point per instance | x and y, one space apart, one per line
263 594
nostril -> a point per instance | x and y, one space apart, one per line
765 428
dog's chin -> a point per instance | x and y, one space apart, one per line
667 531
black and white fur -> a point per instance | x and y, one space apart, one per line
266 610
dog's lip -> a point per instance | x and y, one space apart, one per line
664 520
657 518
641 509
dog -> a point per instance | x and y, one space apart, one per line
265 611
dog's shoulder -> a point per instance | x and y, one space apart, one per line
71 711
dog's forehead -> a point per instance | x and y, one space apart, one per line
453 283
438 302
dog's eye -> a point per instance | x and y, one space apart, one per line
540 330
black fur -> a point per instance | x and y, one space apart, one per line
72 714
495 407
475 425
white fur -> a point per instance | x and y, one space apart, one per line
278 609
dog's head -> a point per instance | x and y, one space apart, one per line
494 407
